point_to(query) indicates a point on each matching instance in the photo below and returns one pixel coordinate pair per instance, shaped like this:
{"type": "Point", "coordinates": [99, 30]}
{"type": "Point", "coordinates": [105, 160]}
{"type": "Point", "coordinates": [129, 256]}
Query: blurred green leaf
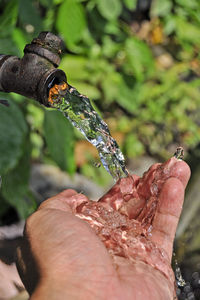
{"type": "Point", "coordinates": [111, 83]}
{"type": "Point", "coordinates": [19, 39]}
{"type": "Point", "coordinates": [49, 20]}
{"type": "Point", "coordinates": [109, 9]}
{"type": "Point", "coordinates": [98, 175]}
{"type": "Point", "coordinates": [8, 46]}
{"type": "Point", "coordinates": [9, 18]}
{"type": "Point", "coordinates": [15, 185]}
{"type": "Point", "coordinates": [133, 146]}
{"type": "Point", "coordinates": [13, 129]}
{"type": "Point", "coordinates": [161, 8]}
{"type": "Point", "coordinates": [71, 21]}
{"type": "Point", "coordinates": [187, 32]}
{"type": "Point", "coordinates": [130, 4]}
{"type": "Point", "coordinates": [29, 14]}
{"type": "Point", "coordinates": [57, 1]}
{"type": "Point", "coordinates": [46, 3]}
{"type": "Point", "coordinates": [127, 98]}
{"type": "Point", "coordinates": [75, 67]}
{"type": "Point", "coordinates": [185, 3]}
{"type": "Point", "coordinates": [109, 47]}
{"type": "Point", "coordinates": [87, 89]}
{"type": "Point", "coordinates": [170, 24]}
{"type": "Point", "coordinates": [59, 136]}
{"type": "Point", "coordinates": [140, 61]}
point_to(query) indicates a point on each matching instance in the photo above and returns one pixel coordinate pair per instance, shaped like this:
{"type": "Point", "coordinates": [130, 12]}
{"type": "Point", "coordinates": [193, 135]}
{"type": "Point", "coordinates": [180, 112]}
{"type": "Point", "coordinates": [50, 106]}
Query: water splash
{"type": "Point", "coordinates": [78, 109]}
{"type": "Point", "coordinates": [179, 278]}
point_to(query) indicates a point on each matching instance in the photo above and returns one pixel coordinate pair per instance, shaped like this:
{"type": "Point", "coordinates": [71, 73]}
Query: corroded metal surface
{"type": "Point", "coordinates": [31, 75]}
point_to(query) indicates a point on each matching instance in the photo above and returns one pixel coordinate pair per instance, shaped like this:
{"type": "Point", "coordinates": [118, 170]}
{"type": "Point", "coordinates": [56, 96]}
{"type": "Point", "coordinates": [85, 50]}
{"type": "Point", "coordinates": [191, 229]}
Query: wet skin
{"type": "Point", "coordinates": [119, 248]}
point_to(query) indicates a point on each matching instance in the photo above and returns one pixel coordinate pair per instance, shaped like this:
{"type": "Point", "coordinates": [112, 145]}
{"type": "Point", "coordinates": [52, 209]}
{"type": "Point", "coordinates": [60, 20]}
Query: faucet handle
{"type": "Point", "coordinates": [47, 45]}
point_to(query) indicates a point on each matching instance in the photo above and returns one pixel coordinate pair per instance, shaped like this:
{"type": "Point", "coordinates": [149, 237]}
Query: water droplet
{"type": "Point", "coordinates": [179, 278]}
{"type": "Point", "coordinates": [154, 189]}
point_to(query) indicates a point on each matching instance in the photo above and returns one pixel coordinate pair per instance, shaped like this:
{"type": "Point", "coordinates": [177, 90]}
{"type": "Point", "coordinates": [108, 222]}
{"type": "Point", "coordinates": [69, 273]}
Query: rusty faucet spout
{"type": "Point", "coordinates": [33, 74]}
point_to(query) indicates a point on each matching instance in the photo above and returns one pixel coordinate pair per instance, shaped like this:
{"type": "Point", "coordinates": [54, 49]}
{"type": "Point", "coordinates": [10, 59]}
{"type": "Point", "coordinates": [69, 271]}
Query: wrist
{"type": "Point", "coordinates": [51, 291]}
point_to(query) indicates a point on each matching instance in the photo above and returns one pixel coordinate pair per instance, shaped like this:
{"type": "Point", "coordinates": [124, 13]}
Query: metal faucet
{"type": "Point", "coordinates": [36, 72]}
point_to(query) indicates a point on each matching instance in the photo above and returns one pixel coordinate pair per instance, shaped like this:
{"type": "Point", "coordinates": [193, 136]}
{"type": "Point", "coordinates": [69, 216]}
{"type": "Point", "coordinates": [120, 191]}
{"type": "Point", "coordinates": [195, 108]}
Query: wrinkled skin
{"type": "Point", "coordinates": [118, 248]}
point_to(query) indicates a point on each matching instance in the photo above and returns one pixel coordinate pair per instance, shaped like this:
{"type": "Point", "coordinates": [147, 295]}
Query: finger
{"type": "Point", "coordinates": [68, 200]}
{"type": "Point", "coordinates": [158, 174]}
{"type": "Point", "coordinates": [181, 170]}
{"type": "Point", "coordinates": [167, 215]}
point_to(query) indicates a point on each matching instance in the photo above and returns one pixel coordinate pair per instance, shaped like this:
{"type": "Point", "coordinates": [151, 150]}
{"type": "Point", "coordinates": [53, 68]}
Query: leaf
{"type": "Point", "coordinates": [170, 24]}
{"type": "Point", "coordinates": [9, 18]}
{"type": "Point", "coordinates": [60, 140]}
{"type": "Point", "coordinates": [8, 46]}
{"type": "Point", "coordinates": [127, 97]}
{"type": "Point", "coordinates": [13, 129]}
{"type": "Point", "coordinates": [47, 3]}
{"type": "Point", "coordinates": [71, 22]}
{"type": "Point", "coordinates": [109, 9]}
{"type": "Point", "coordinates": [133, 146]}
{"type": "Point", "coordinates": [187, 32]}
{"type": "Point", "coordinates": [140, 61]}
{"type": "Point", "coordinates": [89, 90]}
{"type": "Point", "coordinates": [20, 40]}
{"type": "Point", "coordinates": [111, 83]}
{"type": "Point", "coordinates": [161, 7]}
{"type": "Point", "coordinates": [15, 188]}
{"type": "Point", "coordinates": [188, 4]}
{"type": "Point", "coordinates": [57, 1]}
{"type": "Point", "coordinates": [130, 4]}
{"type": "Point", "coordinates": [75, 67]}
{"type": "Point", "coordinates": [29, 14]}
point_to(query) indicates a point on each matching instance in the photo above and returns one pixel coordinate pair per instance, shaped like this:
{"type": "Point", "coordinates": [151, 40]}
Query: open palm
{"type": "Point", "coordinates": [117, 248]}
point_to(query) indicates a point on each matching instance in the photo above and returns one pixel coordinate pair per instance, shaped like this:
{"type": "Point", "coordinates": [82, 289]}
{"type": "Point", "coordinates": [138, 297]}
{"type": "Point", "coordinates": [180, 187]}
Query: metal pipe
{"type": "Point", "coordinates": [35, 73]}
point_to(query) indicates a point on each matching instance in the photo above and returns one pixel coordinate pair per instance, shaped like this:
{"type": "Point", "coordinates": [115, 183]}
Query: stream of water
{"type": "Point", "coordinates": [79, 111]}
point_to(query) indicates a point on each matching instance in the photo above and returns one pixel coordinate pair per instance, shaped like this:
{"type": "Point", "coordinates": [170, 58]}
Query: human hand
{"type": "Point", "coordinates": [117, 248]}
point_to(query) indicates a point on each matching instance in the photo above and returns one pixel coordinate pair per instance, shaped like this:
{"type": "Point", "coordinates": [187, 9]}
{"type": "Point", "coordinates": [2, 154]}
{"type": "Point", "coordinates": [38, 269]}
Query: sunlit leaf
{"type": "Point", "coordinates": [75, 67]}
{"type": "Point", "coordinates": [187, 31]}
{"type": "Point", "coordinates": [188, 4]}
{"type": "Point", "coordinates": [19, 39]}
{"type": "Point", "coordinates": [71, 21]}
{"type": "Point", "coordinates": [161, 7]}
{"type": "Point", "coordinates": [130, 4]}
{"type": "Point", "coordinates": [139, 58]}
{"type": "Point", "coordinates": [109, 9]}
{"type": "Point", "coordinates": [133, 146]}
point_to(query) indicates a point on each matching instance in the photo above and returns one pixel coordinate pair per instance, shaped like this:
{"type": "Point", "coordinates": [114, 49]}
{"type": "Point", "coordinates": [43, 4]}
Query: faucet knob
{"type": "Point", "coordinates": [47, 45]}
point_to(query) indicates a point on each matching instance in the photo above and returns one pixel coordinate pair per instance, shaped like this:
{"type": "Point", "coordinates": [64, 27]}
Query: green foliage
{"type": "Point", "coordinates": [144, 75]}
{"type": "Point", "coordinates": [29, 14]}
{"type": "Point", "coordinates": [130, 4]}
{"type": "Point", "coordinates": [71, 22]}
{"type": "Point", "coordinates": [15, 188]}
{"type": "Point", "coordinates": [110, 9]}
{"type": "Point", "coordinates": [58, 131]}
{"type": "Point", "coordinates": [13, 130]}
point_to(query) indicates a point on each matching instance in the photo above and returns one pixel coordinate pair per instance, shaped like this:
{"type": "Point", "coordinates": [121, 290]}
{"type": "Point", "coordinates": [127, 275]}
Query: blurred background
{"type": "Point", "coordinates": [139, 63]}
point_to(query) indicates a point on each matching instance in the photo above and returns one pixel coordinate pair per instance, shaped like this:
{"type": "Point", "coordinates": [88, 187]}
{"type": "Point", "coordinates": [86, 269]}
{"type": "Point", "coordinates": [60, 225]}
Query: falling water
{"type": "Point", "coordinates": [78, 109]}
{"type": "Point", "coordinates": [179, 278]}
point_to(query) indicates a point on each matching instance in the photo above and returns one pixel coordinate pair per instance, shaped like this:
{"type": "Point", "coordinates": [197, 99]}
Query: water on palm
{"type": "Point", "coordinates": [79, 111]}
